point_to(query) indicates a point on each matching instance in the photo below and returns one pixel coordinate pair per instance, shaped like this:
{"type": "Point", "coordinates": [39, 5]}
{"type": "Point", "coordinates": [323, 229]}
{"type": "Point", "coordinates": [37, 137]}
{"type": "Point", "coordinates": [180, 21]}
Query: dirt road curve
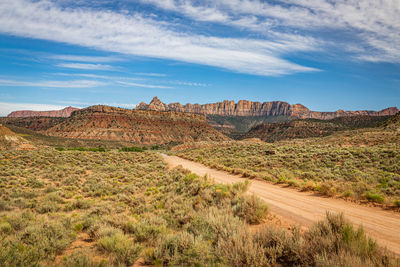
{"type": "Point", "coordinates": [304, 208]}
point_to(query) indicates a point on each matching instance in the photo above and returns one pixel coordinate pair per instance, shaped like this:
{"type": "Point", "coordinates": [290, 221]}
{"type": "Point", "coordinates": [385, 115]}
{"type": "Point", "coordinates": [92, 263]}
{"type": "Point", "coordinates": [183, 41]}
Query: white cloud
{"type": "Point", "coordinates": [151, 74]}
{"type": "Point", "coordinates": [52, 84]}
{"type": "Point", "coordinates": [136, 35]}
{"type": "Point", "coordinates": [82, 66]}
{"type": "Point", "coordinates": [194, 84]}
{"type": "Point", "coordinates": [85, 58]}
{"type": "Point", "coordinates": [145, 85]}
{"type": "Point", "coordinates": [7, 108]}
{"type": "Point", "coordinates": [374, 24]}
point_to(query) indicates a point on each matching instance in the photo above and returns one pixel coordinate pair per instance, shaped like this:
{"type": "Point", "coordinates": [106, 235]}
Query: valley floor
{"type": "Point", "coordinates": [305, 208]}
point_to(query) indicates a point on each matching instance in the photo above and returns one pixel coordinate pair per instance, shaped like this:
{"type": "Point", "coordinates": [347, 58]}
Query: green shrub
{"type": "Point", "coordinates": [374, 197]}
{"type": "Point", "coordinates": [132, 149]}
{"type": "Point", "coordinates": [47, 206]}
{"type": "Point", "coordinates": [148, 229]}
{"type": "Point", "coordinates": [122, 249]}
{"type": "Point", "coordinates": [18, 254]}
{"type": "Point", "coordinates": [81, 259]}
{"type": "Point", "coordinates": [183, 249]}
{"type": "Point", "coordinates": [348, 193]}
{"type": "Point", "coordinates": [239, 249]}
{"type": "Point", "coordinates": [5, 228]}
{"type": "Point", "coordinates": [251, 209]}
{"type": "Point", "coordinates": [48, 237]}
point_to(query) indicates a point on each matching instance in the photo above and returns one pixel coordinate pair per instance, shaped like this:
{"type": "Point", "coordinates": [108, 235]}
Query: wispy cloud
{"type": "Point", "coordinates": [83, 66]}
{"type": "Point", "coordinates": [138, 35]}
{"type": "Point", "coordinates": [53, 84]}
{"type": "Point", "coordinates": [194, 84]}
{"type": "Point", "coordinates": [142, 85]}
{"type": "Point", "coordinates": [151, 74]}
{"type": "Point", "coordinates": [93, 59]}
{"type": "Point", "coordinates": [374, 25]}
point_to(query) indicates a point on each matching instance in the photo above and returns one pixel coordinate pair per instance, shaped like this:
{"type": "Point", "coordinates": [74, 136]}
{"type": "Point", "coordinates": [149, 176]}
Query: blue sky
{"type": "Point", "coordinates": [325, 54]}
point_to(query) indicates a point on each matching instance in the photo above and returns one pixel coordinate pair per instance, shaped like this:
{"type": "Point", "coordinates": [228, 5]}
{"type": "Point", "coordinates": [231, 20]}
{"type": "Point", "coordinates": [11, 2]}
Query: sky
{"type": "Point", "coordinates": [324, 54]}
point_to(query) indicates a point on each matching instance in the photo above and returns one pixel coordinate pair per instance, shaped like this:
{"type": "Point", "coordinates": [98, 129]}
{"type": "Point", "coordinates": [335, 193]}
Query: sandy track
{"type": "Point", "coordinates": [305, 208]}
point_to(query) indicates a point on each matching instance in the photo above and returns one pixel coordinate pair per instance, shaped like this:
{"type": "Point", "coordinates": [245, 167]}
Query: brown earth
{"type": "Point", "coordinates": [304, 208]}
{"type": "Point", "coordinates": [32, 123]}
{"type": "Point", "coordinates": [65, 112]}
{"type": "Point", "coordinates": [249, 108]}
{"type": "Point", "coordinates": [137, 126]}
{"type": "Point", "coordinates": [10, 141]}
{"type": "Point", "coordinates": [306, 128]}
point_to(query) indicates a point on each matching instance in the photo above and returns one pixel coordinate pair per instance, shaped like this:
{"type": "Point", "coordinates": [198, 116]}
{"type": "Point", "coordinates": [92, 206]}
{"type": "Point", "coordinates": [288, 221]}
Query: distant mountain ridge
{"type": "Point", "coordinates": [306, 128]}
{"type": "Point", "coordinates": [249, 108]}
{"type": "Point", "coordinates": [65, 112]}
{"type": "Point", "coordinates": [137, 126]}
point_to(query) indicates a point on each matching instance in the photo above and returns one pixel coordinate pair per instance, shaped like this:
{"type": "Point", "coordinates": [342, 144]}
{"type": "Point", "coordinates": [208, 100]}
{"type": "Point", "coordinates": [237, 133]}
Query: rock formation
{"type": "Point", "coordinates": [305, 128]}
{"type": "Point", "coordinates": [136, 126]}
{"type": "Point", "coordinates": [66, 112]}
{"type": "Point", "coordinates": [10, 141]}
{"type": "Point", "coordinates": [249, 108]}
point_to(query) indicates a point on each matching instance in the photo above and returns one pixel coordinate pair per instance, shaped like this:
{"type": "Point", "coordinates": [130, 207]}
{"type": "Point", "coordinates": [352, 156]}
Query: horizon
{"type": "Point", "coordinates": [3, 111]}
{"type": "Point", "coordinates": [60, 53]}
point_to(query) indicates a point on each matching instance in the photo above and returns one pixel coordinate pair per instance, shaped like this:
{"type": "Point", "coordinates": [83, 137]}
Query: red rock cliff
{"type": "Point", "coordinates": [249, 108]}
{"type": "Point", "coordinates": [66, 112]}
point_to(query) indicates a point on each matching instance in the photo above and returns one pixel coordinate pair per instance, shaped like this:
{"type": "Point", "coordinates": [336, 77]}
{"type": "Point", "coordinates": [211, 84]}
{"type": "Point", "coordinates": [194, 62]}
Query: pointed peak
{"type": "Point", "coordinates": [155, 99]}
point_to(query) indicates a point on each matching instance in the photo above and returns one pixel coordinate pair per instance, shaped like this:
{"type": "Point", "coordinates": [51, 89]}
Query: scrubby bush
{"type": "Point", "coordinates": [374, 197]}
{"type": "Point", "coordinates": [132, 149]}
{"type": "Point", "coordinates": [183, 249]}
{"type": "Point", "coordinates": [122, 249]}
{"type": "Point", "coordinates": [81, 259]}
{"type": "Point", "coordinates": [251, 209]}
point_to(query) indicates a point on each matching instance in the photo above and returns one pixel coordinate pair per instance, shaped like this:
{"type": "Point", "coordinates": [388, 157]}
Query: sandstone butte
{"type": "Point", "coordinates": [66, 112]}
{"type": "Point", "coordinates": [249, 108]}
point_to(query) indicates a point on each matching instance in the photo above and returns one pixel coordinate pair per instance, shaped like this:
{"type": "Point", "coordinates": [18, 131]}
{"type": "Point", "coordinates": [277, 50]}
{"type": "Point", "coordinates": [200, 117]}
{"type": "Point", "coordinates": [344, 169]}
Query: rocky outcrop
{"type": "Point", "coordinates": [136, 126]}
{"type": "Point", "coordinates": [10, 141]}
{"type": "Point", "coordinates": [66, 112]}
{"type": "Point", "coordinates": [249, 108]}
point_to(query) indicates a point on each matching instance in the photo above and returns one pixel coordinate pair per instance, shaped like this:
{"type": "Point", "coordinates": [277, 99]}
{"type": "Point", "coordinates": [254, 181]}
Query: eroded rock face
{"type": "Point", "coordinates": [249, 108]}
{"type": "Point", "coordinates": [304, 114]}
{"type": "Point", "coordinates": [10, 141]}
{"type": "Point", "coordinates": [137, 126]}
{"type": "Point", "coordinates": [66, 112]}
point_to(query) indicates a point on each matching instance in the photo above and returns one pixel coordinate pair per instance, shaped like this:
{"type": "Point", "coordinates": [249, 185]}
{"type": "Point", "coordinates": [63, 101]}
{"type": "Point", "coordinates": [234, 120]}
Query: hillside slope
{"type": "Point", "coordinates": [32, 123]}
{"type": "Point", "coordinates": [137, 126]}
{"type": "Point", "coordinates": [311, 127]}
{"type": "Point", "coordinates": [10, 141]}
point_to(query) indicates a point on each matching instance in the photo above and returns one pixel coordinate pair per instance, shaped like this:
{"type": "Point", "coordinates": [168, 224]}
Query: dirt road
{"type": "Point", "coordinates": [305, 208]}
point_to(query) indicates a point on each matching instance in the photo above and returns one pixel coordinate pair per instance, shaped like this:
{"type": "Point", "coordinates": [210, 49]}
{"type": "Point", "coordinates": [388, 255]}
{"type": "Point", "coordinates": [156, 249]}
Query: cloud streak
{"type": "Point", "coordinates": [142, 85]}
{"type": "Point", "coordinates": [92, 59]}
{"type": "Point", "coordinates": [375, 25]}
{"type": "Point", "coordinates": [82, 66]}
{"type": "Point", "coordinates": [53, 84]}
{"type": "Point", "coordinates": [137, 35]}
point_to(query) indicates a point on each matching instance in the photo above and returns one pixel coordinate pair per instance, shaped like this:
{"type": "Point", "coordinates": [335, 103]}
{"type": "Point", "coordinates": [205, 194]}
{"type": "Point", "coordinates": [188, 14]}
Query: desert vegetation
{"type": "Point", "coordinates": [370, 173]}
{"type": "Point", "coordinates": [90, 208]}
